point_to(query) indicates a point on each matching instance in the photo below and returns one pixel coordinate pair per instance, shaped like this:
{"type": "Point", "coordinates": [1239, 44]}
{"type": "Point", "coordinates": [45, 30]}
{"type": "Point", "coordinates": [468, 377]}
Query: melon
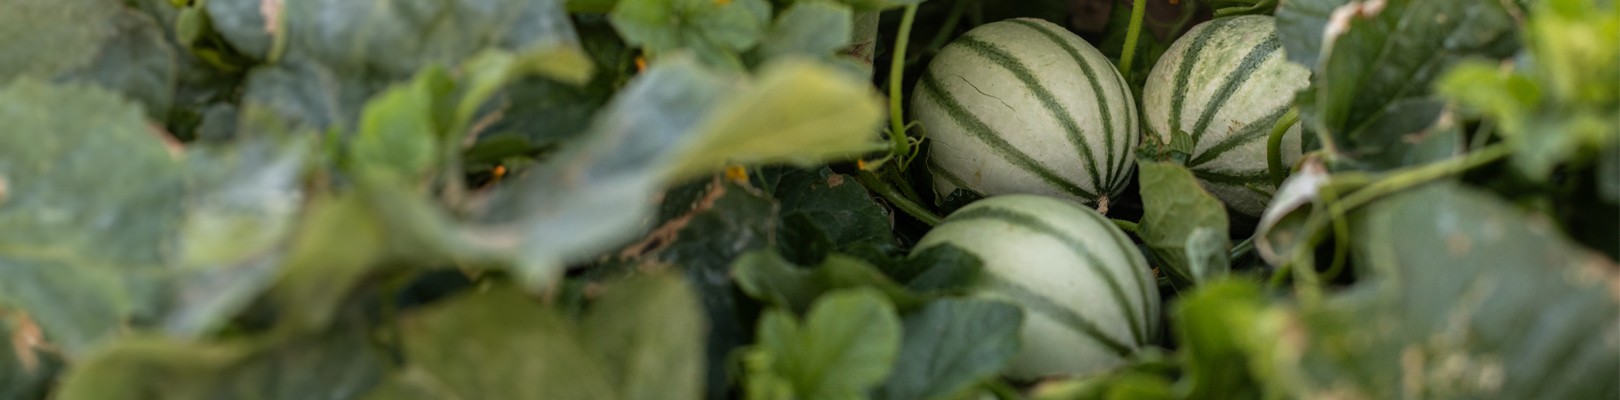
{"type": "Point", "coordinates": [1088, 297]}
{"type": "Point", "coordinates": [1025, 106]}
{"type": "Point", "coordinates": [1225, 84]}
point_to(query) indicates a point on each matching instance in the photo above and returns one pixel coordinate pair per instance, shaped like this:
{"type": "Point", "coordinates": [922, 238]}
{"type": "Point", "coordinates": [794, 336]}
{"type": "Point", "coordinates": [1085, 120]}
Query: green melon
{"type": "Point", "coordinates": [1088, 296]}
{"type": "Point", "coordinates": [1225, 84]}
{"type": "Point", "coordinates": [1025, 106]}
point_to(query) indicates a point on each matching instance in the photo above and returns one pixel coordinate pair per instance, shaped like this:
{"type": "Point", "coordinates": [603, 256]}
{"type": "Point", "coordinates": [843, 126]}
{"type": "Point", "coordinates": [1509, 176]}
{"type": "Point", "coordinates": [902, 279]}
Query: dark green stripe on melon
{"type": "Point", "coordinates": [1184, 70]}
{"type": "Point", "coordinates": [1250, 64]}
{"type": "Point", "coordinates": [1114, 171]}
{"type": "Point", "coordinates": [1049, 101]}
{"type": "Point", "coordinates": [988, 136]}
{"type": "Point", "coordinates": [1039, 304]}
{"type": "Point", "coordinates": [1135, 318]}
{"type": "Point", "coordinates": [1256, 130]}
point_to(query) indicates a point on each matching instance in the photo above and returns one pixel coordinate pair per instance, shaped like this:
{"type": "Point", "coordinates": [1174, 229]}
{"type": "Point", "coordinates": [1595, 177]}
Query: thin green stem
{"type": "Point", "coordinates": [876, 185]}
{"type": "Point", "coordinates": [1274, 161]}
{"type": "Point", "coordinates": [1132, 33]}
{"type": "Point", "coordinates": [900, 148]}
{"type": "Point", "coordinates": [1303, 258]}
{"type": "Point", "coordinates": [1483, 134]}
{"type": "Point", "coordinates": [1241, 248]}
{"type": "Point", "coordinates": [1127, 226]}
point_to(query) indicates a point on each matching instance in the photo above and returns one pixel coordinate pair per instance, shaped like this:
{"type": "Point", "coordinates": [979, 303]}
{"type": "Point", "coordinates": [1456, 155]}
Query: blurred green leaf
{"type": "Point", "coordinates": [1552, 108]}
{"type": "Point", "coordinates": [92, 198]}
{"type": "Point", "coordinates": [47, 37]}
{"type": "Point", "coordinates": [716, 31]}
{"type": "Point", "coordinates": [811, 28]}
{"type": "Point", "coordinates": [649, 333]}
{"type": "Point", "coordinates": [766, 276]}
{"type": "Point", "coordinates": [243, 201]}
{"type": "Point", "coordinates": [1375, 61]}
{"type": "Point", "coordinates": [498, 343]}
{"type": "Point", "coordinates": [398, 131]}
{"type": "Point", "coordinates": [845, 347]}
{"type": "Point", "coordinates": [338, 242]}
{"type": "Point", "coordinates": [1175, 209]}
{"type": "Point", "coordinates": [1218, 329]}
{"type": "Point", "coordinates": [640, 340]}
{"type": "Point", "coordinates": [813, 114]}
{"type": "Point", "coordinates": [951, 345]}
{"type": "Point", "coordinates": [342, 364]}
{"type": "Point", "coordinates": [1471, 298]}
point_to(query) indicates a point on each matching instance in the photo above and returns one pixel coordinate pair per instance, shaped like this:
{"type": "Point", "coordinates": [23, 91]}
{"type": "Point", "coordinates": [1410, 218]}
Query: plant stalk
{"type": "Point", "coordinates": [887, 192]}
{"type": "Point", "coordinates": [1133, 32]}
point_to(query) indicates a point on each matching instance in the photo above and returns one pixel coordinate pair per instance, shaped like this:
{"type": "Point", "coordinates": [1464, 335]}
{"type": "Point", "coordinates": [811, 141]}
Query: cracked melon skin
{"type": "Point", "coordinates": [1088, 297]}
{"type": "Point", "coordinates": [1025, 106]}
{"type": "Point", "coordinates": [1226, 83]}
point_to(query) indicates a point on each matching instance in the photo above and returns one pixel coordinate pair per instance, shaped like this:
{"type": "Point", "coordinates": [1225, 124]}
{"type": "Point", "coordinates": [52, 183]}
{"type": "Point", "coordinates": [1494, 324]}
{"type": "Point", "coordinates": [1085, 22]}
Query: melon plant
{"type": "Point", "coordinates": [1224, 85]}
{"type": "Point", "coordinates": [1089, 300]}
{"type": "Point", "coordinates": [1025, 106]}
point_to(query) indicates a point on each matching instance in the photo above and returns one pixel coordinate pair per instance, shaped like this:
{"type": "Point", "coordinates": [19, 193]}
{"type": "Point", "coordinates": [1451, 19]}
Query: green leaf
{"type": "Point", "coordinates": [813, 114]}
{"type": "Point", "coordinates": [396, 38]}
{"type": "Point", "coordinates": [498, 343]}
{"type": "Point", "coordinates": [47, 37]}
{"type": "Point", "coordinates": [766, 276]}
{"type": "Point", "coordinates": [716, 31]}
{"type": "Point", "coordinates": [134, 60]}
{"type": "Point", "coordinates": [338, 242]}
{"type": "Point", "coordinates": [845, 347]}
{"type": "Point", "coordinates": [91, 198]}
{"type": "Point", "coordinates": [1175, 209]}
{"type": "Point", "coordinates": [951, 345]}
{"type": "Point", "coordinates": [1458, 275]}
{"type": "Point", "coordinates": [942, 268]}
{"type": "Point", "coordinates": [299, 95]}
{"type": "Point", "coordinates": [1217, 328]}
{"type": "Point", "coordinates": [828, 205]}
{"type": "Point", "coordinates": [649, 332]}
{"type": "Point", "coordinates": [1367, 45]}
{"type": "Point", "coordinates": [398, 132]}
{"type": "Point", "coordinates": [342, 364]}
{"type": "Point", "coordinates": [706, 226]}
{"type": "Point", "coordinates": [815, 28]}
{"type": "Point", "coordinates": [243, 201]}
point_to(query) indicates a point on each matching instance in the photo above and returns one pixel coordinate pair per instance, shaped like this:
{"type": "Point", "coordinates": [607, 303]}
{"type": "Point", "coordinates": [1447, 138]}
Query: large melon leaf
{"type": "Point", "coordinates": [1472, 299]}
{"type": "Point", "coordinates": [1375, 62]}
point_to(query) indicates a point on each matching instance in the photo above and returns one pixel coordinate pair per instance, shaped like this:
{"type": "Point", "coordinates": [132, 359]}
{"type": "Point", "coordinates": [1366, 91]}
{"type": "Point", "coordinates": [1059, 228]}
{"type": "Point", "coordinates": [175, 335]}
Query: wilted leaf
{"type": "Point", "coordinates": [1175, 207]}
{"type": "Point", "coordinates": [951, 345]}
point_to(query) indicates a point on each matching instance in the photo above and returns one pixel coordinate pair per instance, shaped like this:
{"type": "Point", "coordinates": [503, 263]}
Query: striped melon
{"type": "Point", "coordinates": [1225, 84]}
{"type": "Point", "coordinates": [1025, 106]}
{"type": "Point", "coordinates": [1088, 298]}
